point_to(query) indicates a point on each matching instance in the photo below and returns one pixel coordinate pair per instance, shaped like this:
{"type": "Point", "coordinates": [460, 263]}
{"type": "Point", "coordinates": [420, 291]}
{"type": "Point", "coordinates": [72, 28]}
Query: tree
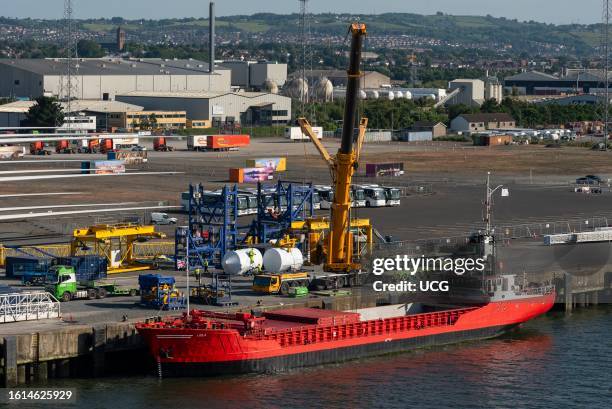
{"type": "Point", "coordinates": [491, 106]}
{"type": "Point", "coordinates": [89, 49]}
{"type": "Point", "coordinates": [45, 113]}
{"type": "Point", "coordinates": [152, 121]}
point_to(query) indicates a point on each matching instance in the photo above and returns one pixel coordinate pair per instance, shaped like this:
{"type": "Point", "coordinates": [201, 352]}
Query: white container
{"type": "Point", "coordinates": [240, 261]}
{"type": "Point", "coordinates": [277, 260]}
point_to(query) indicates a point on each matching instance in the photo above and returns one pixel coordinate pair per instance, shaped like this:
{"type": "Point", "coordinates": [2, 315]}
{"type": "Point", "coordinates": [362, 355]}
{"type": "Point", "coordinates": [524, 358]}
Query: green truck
{"type": "Point", "coordinates": [65, 287]}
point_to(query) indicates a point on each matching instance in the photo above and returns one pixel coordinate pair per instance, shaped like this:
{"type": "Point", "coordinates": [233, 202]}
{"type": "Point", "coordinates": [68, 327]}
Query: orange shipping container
{"type": "Point", "coordinates": [227, 141]}
{"type": "Point", "coordinates": [236, 175]}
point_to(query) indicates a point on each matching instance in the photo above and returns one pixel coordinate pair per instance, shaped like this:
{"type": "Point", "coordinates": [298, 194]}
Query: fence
{"type": "Point", "coordinates": [28, 306]}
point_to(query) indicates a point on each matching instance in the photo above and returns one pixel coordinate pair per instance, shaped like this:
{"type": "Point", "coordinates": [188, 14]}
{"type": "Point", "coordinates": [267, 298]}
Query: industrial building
{"type": "Point", "coordinates": [471, 123]}
{"type": "Point", "coordinates": [474, 92]}
{"type": "Point", "coordinates": [437, 129]}
{"type": "Point", "coordinates": [257, 108]}
{"type": "Point", "coordinates": [252, 75]}
{"type": "Point", "coordinates": [103, 78]}
{"type": "Point", "coordinates": [539, 83]}
{"type": "Point", "coordinates": [339, 78]}
{"type": "Point", "coordinates": [106, 113]}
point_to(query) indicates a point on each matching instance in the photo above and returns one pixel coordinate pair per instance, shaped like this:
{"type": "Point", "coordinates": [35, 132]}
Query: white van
{"type": "Point", "coordinates": [162, 218]}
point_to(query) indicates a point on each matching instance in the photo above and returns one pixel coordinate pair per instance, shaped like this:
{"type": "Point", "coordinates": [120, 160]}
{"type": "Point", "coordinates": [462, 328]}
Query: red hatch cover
{"type": "Point", "coordinates": [313, 316]}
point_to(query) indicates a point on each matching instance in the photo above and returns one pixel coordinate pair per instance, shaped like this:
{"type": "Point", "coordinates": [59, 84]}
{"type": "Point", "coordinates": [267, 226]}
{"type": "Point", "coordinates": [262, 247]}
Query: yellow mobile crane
{"type": "Point", "coordinates": [338, 245]}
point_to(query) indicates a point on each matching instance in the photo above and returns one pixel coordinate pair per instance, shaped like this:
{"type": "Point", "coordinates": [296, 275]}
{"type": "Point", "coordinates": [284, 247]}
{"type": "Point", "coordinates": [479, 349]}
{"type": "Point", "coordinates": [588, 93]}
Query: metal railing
{"type": "Point", "coordinates": [28, 306]}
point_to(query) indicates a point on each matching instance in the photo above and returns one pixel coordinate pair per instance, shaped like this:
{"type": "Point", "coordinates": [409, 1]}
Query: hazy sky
{"type": "Point", "coordinates": [552, 11]}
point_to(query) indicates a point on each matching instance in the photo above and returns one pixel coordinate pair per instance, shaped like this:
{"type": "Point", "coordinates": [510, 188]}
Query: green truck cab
{"type": "Point", "coordinates": [64, 286]}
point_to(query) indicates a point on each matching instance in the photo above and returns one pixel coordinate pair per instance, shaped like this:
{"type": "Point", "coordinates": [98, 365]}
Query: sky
{"type": "Point", "coordinates": [549, 11]}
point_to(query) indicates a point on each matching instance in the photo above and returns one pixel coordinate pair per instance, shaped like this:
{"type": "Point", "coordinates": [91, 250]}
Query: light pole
{"type": "Point", "coordinates": [489, 203]}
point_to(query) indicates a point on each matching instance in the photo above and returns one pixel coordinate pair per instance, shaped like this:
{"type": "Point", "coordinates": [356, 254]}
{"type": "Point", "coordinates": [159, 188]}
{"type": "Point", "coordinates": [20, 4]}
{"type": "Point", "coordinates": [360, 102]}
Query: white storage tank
{"type": "Point", "coordinates": [239, 262]}
{"type": "Point", "coordinates": [277, 260]}
{"type": "Point", "coordinates": [399, 94]}
{"type": "Point", "coordinates": [407, 94]}
{"type": "Point", "coordinates": [362, 94]}
{"type": "Point", "coordinates": [372, 94]}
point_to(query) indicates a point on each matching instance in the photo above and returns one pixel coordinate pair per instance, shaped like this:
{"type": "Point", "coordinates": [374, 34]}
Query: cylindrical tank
{"type": "Point", "coordinates": [399, 94]}
{"type": "Point", "coordinates": [324, 89]}
{"type": "Point", "coordinates": [390, 96]}
{"type": "Point", "coordinates": [407, 94]}
{"type": "Point", "coordinates": [372, 94]}
{"type": "Point", "coordinates": [277, 260]}
{"type": "Point", "coordinates": [297, 88]}
{"type": "Point", "coordinates": [240, 261]}
{"type": "Point", "coordinates": [270, 86]}
{"type": "Point", "coordinates": [362, 94]}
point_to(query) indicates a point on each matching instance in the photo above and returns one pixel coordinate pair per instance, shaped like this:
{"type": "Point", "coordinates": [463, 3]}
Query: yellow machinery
{"type": "Point", "coordinates": [316, 230]}
{"type": "Point", "coordinates": [279, 283]}
{"type": "Point", "coordinates": [116, 243]}
{"type": "Point", "coordinates": [338, 245]}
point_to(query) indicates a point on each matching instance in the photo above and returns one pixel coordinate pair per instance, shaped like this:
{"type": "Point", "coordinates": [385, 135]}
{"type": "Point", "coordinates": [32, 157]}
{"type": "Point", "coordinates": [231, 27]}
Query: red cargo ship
{"type": "Point", "coordinates": [208, 343]}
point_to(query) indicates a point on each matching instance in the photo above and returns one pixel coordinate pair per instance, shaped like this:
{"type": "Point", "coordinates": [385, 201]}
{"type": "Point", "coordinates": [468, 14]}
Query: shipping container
{"type": "Point", "coordinates": [223, 142]}
{"type": "Point", "coordinates": [103, 166]}
{"type": "Point", "coordinates": [18, 266]}
{"type": "Point", "coordinates": [250, 175]}
{"type": "Point", "coordinates": [12, 152]}
{"type": "Point", "coordinates": [217, 142]}
{"type": "Point", "coordinates": [415, 136]}
{"type": "Point", "coordinates": [295, 133]}
{"type": "Point", "coordinates": [129, 157]}
{"type": "Point", "coordinates": [86, 268]}
{"type": "Point", "coordinates": [278, 164]}
{"type": "Point", "coordinates": [384, 169]}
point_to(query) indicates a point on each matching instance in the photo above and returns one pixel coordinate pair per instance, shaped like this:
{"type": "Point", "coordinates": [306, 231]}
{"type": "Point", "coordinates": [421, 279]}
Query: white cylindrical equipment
{"type": "Point", "coordinates": [278, 260]}
{"type": "Point", "coordinates": [238, 262]}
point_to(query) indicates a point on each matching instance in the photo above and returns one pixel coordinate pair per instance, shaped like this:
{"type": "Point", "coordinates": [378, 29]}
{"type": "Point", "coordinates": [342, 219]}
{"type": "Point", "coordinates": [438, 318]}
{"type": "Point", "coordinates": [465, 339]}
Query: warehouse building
{"type": "Point", "coordinates": [103, 78]}
{"type": "Point", "coordinates": [470, 123]}
{"type": "Point", "coordinates": [257, 108]}
{"type": "Point", "coordinates": [539, 83]}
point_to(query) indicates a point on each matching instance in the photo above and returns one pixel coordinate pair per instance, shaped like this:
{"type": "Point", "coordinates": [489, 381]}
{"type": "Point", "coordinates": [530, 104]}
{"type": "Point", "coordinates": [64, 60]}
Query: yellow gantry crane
{"type": "Point", "coordinates": [116, 243]}
{"type": "Point", "coordinates": [339, 243]}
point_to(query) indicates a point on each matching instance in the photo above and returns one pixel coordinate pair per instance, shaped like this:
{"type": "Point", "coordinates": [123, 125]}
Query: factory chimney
{"type": "Point", "coordinates": [211, 49]}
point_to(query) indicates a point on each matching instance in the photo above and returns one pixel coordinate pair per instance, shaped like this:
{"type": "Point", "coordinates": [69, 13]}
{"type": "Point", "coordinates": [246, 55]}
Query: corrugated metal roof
{"type": "Point", "coordinates": [194, 95]}
{"type": "Point", "coordinates": [532, 76]}
{"type": "Point", "coordinates": [112, 66]}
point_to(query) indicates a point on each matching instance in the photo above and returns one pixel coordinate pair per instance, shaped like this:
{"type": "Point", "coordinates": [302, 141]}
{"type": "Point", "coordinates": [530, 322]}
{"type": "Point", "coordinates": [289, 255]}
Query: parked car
{"type": "Point", "coordinates": [138, 148]}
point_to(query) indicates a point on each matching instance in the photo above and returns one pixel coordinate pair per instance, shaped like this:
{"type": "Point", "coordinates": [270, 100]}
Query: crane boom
{"type": "Point", "coordinates": [339, 245]}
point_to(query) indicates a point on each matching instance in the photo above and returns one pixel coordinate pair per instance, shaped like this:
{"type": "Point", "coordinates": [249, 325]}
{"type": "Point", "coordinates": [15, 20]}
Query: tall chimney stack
{"type": "Point", "coordinates": [211, 26]}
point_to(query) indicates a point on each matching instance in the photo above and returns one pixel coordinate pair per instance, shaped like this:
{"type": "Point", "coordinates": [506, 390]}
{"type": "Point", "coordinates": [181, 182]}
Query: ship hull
{"type": "Point", "coordinates": [327, 356]}
{"type": "Point", "coordinates": [217, 351]}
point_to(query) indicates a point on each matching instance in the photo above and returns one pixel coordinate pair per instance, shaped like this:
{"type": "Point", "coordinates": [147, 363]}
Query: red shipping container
{"type": "Point", "coordinates": [227, 141]}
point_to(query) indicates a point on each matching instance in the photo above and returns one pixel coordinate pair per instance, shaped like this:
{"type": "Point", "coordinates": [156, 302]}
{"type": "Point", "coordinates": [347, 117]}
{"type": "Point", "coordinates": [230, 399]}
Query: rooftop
{"type": "Point", "coordinates": [112, 66]}
{"type": "Point", "coordinates": [488, 117]}
{"type": "Point", "coordinates": [191, 94]}
{"type": "Point", "coordinates": [76, 106]}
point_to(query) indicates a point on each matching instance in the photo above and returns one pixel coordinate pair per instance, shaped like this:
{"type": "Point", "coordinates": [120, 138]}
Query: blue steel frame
{"type": "Point", "coordinates": [216, 217]}
{"type": "Point", "coordinates": [295, 196]}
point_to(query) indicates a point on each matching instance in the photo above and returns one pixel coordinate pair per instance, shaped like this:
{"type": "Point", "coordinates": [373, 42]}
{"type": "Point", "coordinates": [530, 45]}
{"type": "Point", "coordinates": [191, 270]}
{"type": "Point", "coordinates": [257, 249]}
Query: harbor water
{"type": "Point", "coordinates": [555, 361]}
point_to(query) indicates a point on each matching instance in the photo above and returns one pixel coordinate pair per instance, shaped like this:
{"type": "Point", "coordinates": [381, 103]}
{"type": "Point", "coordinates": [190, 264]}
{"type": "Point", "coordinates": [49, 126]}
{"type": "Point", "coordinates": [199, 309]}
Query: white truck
{"type": "Point", "coordinates": [295, 133]}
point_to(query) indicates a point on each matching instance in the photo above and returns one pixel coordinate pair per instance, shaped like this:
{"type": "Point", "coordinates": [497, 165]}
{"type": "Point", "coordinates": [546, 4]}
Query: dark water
{"type": "Point", "coordinates": [556, 361]}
